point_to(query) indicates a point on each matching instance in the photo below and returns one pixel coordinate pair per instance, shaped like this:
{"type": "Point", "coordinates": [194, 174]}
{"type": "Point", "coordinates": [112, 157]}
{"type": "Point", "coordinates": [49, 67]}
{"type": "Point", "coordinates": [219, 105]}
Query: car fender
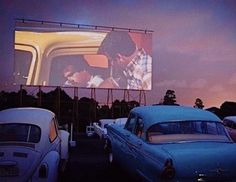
{"type": "Point", "coordinates": [64, 144]}
{"type": "Point", "coordinates": [51, 163]}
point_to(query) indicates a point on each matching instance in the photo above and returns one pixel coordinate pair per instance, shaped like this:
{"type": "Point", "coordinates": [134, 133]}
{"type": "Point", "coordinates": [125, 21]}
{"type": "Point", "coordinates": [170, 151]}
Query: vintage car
{"type": "Point", "coordinates": [100, 127]}
{"type": "Point", "coordinates": [173, 143]}
{"type": "Point", "coordinates": [230, 124]}
{"type": "Point", "coordinates": [32, 148]}
{"type": "Point", "coordinates": [90, 130]}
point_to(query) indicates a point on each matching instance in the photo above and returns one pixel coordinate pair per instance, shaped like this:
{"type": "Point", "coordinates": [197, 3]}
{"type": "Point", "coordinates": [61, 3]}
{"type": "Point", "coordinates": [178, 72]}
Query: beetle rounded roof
{"type": "Point", "coordinates": [37, 116]}
{"type": "Point", "coordinates": [165, 113]}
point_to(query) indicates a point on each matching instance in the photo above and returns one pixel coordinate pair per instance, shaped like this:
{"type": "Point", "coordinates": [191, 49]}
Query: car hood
{"type": "Point", "coordinates": [21, 161]}
{"type": "Point", "coordinates": [209, 158]}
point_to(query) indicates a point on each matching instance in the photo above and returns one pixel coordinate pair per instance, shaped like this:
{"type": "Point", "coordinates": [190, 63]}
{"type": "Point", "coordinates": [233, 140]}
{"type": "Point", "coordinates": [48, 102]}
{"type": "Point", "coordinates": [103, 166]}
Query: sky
{"type": "Point", "coordinates": [194, 41]}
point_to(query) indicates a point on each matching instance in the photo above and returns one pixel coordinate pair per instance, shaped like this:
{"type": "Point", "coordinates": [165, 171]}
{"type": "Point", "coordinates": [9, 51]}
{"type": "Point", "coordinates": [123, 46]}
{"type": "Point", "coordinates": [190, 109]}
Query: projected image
{"type": "Point", "coordinates": [115, 59]}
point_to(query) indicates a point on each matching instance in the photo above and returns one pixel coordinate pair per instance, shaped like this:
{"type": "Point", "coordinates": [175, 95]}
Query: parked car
{"type": "Point", "coordinates": [230, 124]}
{"type": "Point", "coordinates": [100, 127]}
{"type": "Point", "coordinates": [120, 121]}
{"type": "Point", "coordinates": [90, 130]}
{"type": "Point", "coordinates": [173, 143]}
{"type": "Point", "coordinates": [32, 148]}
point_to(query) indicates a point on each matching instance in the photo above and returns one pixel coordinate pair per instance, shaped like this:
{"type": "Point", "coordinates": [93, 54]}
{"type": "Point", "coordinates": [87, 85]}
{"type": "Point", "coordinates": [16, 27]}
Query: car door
{"type": "Point", "coordinates": [134, 143]}
{"type": "Point", "coordinates": [137, 145]}
{"type": "Point", "coordinates": [128, 142]}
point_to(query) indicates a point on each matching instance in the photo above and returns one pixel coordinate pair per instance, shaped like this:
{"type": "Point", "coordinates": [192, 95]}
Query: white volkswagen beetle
{"type": "Point", "coordinates": [32, 148]}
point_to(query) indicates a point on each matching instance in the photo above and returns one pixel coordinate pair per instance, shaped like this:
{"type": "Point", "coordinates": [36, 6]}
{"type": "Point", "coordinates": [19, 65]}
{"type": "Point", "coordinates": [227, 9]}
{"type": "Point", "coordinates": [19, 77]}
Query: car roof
{"type": "Point", "coordinates": [231, 118]}
{"type": "Point", "coordinates": [37, 116]}
{"type": "Point", "coordinates": [166, 113]}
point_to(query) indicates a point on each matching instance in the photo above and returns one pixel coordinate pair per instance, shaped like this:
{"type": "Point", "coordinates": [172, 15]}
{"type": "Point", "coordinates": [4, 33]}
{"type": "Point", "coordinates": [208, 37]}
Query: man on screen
{"type": "Point", "coordinates": [84, 78]}
{"type": "Point", "coordinates": [137, 69]}
{"type": "Point", "coordinates": [130, 65]}
{"type": "Point", "coordinates": [80, 78]}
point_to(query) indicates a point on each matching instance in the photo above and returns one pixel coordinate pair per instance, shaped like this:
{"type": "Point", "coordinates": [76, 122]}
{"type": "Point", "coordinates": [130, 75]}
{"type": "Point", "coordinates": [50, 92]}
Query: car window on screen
{"type": "Point", "coordinates": [67, 71]}
{"type": "Point", "coordinates": [22, 66]}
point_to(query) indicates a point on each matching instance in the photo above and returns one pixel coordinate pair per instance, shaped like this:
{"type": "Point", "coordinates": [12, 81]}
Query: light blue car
{"type": "Point", "coordinates": [174, 144]}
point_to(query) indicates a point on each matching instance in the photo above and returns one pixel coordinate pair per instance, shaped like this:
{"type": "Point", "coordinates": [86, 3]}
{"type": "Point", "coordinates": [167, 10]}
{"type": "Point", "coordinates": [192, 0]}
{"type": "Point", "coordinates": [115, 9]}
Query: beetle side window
{"type": "Point", "coordinates": [53, 131]}
{"type": "Point", "coordinates": [130, 125]}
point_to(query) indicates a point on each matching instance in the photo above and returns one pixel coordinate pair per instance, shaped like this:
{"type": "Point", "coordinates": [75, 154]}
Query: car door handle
{"type": "Point", "coordinates": [127, 135]}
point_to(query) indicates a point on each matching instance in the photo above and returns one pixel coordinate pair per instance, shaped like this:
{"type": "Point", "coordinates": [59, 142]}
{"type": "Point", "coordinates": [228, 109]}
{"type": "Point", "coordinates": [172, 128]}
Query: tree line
{"type": "Point", "coordinates": [83, 111]}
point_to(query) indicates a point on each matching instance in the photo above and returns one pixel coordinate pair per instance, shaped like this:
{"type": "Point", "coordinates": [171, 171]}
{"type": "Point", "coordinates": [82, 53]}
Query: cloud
{"type": "Point", "coordinates": [232, 80]}
{"type": "Point", "coordinates": [173, 83]}
{"type": "Point", "coordinates": [200, 83]}
{"type": "Point", "coordinates": [196, 34]}
{"type": "Point", "coordinates": [217, 88]}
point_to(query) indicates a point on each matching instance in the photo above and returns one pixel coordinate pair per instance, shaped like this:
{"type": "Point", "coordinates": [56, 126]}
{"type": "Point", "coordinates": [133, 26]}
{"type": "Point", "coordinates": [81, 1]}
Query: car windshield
{"type": "Point", "coordinates": [19, 133]}
{"type": "Point", "coordinates": [187, 131]}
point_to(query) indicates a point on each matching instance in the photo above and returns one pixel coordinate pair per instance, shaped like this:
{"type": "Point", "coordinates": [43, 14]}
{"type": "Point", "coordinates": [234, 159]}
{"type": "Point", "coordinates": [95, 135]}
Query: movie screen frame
{"type": "Point", "coordinates": [50, 55]}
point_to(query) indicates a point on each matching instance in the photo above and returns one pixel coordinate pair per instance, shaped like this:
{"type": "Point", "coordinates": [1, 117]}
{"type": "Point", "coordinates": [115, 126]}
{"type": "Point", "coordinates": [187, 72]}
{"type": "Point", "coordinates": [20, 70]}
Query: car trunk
{"type": "Point", "coordinates": [208, 159]}
{"type": "Point", "coordinates": [18, 162]}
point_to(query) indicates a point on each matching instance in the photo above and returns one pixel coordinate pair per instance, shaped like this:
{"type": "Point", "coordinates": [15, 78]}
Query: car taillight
{"type": "Point", "coordinates": [168, 172]}
{"type": "Point", "coordinates": [43, 171]}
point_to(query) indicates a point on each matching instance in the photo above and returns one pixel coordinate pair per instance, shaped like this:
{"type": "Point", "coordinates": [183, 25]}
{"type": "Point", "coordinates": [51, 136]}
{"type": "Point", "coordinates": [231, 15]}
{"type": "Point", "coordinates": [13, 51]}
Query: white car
{"type": "Point", "coordinates": [90, 130]}
{"type": "Point", "coordinates": [230, 124]}
{"type": "Point", "coordinates": [100, 128]}
{"type": "Point", "coordinates": [120, 121]}
{"type": "Point", "coordinates": [32, 148]}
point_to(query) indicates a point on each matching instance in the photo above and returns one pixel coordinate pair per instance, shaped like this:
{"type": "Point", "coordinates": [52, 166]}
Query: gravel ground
{"type": "Point", "coordinates": [89, 163]}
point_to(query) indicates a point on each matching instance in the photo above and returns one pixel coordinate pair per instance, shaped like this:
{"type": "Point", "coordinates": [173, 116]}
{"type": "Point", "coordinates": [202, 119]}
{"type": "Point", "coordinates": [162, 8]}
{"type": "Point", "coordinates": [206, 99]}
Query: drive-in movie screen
{"type": "Point", "coordinates": [54, 56]}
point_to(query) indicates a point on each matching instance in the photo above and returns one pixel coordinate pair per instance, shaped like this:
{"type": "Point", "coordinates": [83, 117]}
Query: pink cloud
{"type": "Point", "coordinates": [190, 33]}
{"type": "Point", "coordinates": [173, 83]}
{"type": "Point", "coordinates": [200, 83]}
{"type": "Point", "coordinates": [218, 88]}
{"type": "Point", "coordinates": [232, 80]}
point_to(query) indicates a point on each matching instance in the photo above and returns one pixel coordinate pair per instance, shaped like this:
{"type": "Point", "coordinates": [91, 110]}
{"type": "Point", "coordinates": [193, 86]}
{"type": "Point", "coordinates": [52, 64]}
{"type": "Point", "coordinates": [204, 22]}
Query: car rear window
{"type": "Point", "coordinates": [19, 133]}
{"type": "Point", "coordinates": [187, 131]}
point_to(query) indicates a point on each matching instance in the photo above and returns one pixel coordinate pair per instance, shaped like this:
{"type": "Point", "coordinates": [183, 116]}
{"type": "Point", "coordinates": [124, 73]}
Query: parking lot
{"type": "Point", "coordinates": [89, 163]}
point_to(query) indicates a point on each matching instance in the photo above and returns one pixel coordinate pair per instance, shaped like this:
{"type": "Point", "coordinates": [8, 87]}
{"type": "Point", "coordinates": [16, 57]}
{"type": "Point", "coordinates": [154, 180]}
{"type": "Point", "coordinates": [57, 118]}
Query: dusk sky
{"type": "Point", "coordinates": [194, 41]}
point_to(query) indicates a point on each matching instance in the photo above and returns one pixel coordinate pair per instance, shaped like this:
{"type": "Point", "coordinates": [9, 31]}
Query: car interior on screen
{"type": "Point", "coordinates": [82, 58]}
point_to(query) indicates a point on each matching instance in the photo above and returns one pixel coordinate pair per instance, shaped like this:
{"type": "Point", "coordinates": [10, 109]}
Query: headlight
{"type": "Point", "coordinates": [43, 171]}
{"type": "Point", "coordinates": [168, 172]}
